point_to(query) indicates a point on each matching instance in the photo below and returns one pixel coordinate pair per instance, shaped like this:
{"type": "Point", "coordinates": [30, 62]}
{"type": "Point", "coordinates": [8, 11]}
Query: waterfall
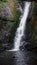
{"type": "Point", "coordinates": [21, 28]}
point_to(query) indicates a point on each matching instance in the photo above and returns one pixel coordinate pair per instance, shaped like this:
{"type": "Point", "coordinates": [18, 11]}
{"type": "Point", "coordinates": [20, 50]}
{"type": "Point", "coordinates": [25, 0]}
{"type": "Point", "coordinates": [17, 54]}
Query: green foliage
{"type": "Point", "coordinates": [10, 24]}
{"type": "Point", "coordinates": [2, 4]}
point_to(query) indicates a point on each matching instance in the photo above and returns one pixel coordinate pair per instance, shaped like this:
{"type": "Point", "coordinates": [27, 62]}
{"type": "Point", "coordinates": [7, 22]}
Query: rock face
{"type": "Point", "coordinates": [5, 12]}
{"type": "Point", "coordinates": [5, 15]}
{"type": "Point", "coordinates": [7, 23]}
{"type": "Point", "coordinates": [31, 29]}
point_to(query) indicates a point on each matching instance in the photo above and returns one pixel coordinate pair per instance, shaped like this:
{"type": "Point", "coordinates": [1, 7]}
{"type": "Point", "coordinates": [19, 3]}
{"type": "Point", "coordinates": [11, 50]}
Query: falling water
{"type": "Point", "coordinates": [21, 28]}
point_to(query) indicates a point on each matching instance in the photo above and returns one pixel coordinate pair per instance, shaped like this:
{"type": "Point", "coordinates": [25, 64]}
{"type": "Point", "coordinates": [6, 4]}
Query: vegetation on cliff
{"type": "Point", "coordinates": [9, 20]}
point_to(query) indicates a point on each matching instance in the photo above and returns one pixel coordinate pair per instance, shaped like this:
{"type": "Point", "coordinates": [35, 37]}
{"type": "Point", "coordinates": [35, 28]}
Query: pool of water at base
{"type": "Point", "coordinates": [21, 57]}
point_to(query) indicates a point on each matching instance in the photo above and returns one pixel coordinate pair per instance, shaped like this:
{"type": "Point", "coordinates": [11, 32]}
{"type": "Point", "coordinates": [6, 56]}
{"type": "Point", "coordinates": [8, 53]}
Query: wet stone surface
{"type": "Point", "coordinates": [18, 58]}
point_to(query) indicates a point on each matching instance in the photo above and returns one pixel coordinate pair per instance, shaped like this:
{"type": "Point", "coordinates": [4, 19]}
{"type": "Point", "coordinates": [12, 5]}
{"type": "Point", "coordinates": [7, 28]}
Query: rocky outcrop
{"type": "Point", "coordinates": [5, 12]}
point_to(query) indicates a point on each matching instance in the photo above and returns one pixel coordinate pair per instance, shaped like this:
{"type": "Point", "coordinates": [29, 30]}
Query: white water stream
{"type": "Point", "coordinates": [21, 28]}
